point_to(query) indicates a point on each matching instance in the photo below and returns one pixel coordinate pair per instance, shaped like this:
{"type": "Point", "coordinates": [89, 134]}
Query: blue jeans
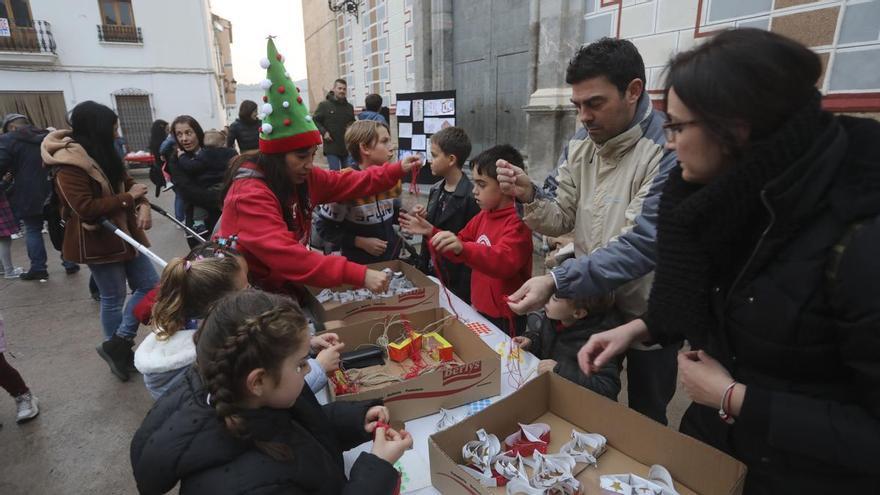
{"type": "Point", "coordinates": [36, 247]}
{"type": "Point", "coordinates": [336, 162]}
{"type": "Point", "coordinates": [111, 278]}
{"type": "Point", "coordinates": [179, 207]}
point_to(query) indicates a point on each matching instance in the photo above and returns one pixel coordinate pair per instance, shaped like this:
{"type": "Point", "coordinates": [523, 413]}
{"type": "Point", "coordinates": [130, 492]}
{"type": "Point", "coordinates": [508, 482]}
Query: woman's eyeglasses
{"type": "Point", "coordinates": [671, 129]}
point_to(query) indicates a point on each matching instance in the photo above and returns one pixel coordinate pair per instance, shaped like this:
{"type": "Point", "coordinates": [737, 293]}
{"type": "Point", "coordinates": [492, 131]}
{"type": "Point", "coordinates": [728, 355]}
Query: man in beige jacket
{"type": "Point", "coordinates": [606, 190]}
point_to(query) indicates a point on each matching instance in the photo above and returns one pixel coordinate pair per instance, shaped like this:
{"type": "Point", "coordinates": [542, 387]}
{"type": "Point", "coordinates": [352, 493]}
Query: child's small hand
{"type": "Point", "coordinates": [411, 162]}
{"type": "Point", "coordinates": [323, 341]}
{"type": "Point", "coordinates": [420, 210]}
{"type": "Point", "coordinates": [522, 342]}
{"type": "Point", "coordinates": [376, 281]}
{"type": "Point", "coordinates": [390, 445]}
{"type": "Point", "coordinates": [372, 245]}
{"type": "Point", "coordinates": [329, 358]}
{"type": "Point", "coordinates": [374, 415]}
{"type": "Point", "coordinates": [446, 241]}
{"type": "Point", "coordinates": [546, 365]}
{"type": "Point", "coordinates": [415, 224]}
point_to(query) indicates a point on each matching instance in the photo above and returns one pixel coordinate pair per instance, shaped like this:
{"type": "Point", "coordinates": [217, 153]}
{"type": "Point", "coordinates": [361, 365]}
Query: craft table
{"type": "Point", "coordinates": [414, 464]}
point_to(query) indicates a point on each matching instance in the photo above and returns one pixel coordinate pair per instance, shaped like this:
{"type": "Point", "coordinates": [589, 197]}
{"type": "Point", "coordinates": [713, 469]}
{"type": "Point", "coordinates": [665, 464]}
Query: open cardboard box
{"type": "Point", "coordinates": [635, 442]}
{"type": "Point", "coordinates": [479, 377]}
{"type": "Point", "coordinates": [425, 296]}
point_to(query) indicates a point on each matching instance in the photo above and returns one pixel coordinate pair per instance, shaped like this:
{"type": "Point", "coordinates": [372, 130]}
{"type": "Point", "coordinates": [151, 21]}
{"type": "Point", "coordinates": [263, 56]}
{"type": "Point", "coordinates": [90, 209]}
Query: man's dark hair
{"type": "Point", "coordinates": [455, 142]}
{"type": "Point", "coordinates": [618, 60]}
{"type": "Point", "coordinates": [484, 163]}
{"type": "Point", "coordinates": [373, 102]}
{"type": "Point", "coordinates": [340, 81]}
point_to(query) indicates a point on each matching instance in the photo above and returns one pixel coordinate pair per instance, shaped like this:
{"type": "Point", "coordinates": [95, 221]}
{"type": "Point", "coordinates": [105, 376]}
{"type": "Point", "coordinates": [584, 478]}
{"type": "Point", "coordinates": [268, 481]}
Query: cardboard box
{"type": "Point", "coordinates": [478, 377]}
{"type": "Point", "coordinates": [425, 296]}
{"type": "Point", "coordinates": [634, 441]}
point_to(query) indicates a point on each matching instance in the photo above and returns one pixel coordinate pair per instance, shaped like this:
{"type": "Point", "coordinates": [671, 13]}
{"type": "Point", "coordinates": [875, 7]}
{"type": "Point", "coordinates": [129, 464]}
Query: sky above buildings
{"type": "Point", "coordinates": [254, 20]}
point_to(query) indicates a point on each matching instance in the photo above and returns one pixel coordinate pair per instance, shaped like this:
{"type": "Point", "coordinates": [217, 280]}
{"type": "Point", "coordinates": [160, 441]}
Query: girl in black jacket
{"type": "Point", "coordinates": [767, 263]}
{"type": "Point", "coordinates": [242, 421]}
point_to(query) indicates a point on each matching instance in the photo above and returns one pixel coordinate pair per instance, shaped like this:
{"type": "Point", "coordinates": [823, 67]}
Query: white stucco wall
{"type": "Point", "coordinates": [175, 64]}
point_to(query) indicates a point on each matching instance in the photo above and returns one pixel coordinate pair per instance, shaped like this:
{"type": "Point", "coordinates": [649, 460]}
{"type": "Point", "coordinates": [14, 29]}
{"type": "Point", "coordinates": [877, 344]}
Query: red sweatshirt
{"type": "Point", "coordinates": [276, 256]}
{"type": "Point", "coordinates": [497, 246]}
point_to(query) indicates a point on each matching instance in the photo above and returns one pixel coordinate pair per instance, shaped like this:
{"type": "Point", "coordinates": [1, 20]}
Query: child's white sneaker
{"type": "Point", "coordinates": [28, 407]}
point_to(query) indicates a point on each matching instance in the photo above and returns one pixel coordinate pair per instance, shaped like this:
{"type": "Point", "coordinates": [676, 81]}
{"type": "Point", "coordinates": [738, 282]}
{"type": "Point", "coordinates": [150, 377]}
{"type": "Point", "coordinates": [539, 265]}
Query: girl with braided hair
{"type": "Point", "coordinates": [242, 420]}
{"type": "Point", "coordinates": [189, 287]}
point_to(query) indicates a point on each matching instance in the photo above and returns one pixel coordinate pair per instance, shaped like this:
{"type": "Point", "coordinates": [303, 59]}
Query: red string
{"type": "Point", "coordinates": [414, 182]}
{"type": "Point", "coordinates": [435, 259]}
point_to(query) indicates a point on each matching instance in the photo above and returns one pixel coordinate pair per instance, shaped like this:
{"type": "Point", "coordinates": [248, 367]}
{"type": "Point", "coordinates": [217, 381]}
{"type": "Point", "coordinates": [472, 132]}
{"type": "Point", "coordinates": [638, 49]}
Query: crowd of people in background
{"type": "Point", "coordinates": [728, 242]}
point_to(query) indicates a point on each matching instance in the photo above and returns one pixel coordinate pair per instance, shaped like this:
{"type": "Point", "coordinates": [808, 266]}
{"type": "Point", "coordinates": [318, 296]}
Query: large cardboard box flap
{"type": "Point", "coordinates": [635, 442]}
{"type": "Point", "coordinates": [425, 296]}
{"type": "Point", "coordinates": [478, 377]}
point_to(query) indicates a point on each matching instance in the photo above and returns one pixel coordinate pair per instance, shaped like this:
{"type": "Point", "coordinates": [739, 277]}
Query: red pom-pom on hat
{"type": "Point", "coordinates": [281, 89]}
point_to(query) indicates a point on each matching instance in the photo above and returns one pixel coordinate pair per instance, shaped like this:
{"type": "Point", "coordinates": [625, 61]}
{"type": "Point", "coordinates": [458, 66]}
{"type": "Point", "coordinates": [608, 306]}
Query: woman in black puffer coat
{"type": "Point", "coordinates": [767, 263]}
{"type": "Point", "coordinates": [246, 128]}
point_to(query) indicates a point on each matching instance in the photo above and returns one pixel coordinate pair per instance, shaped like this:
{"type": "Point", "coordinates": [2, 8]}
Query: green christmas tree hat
{"type": "Point", "coordinates": [287, 125]}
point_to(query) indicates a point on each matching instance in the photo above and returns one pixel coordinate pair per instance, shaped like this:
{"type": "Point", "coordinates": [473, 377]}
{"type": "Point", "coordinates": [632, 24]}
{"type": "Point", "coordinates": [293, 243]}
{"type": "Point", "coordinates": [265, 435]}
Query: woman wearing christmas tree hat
{"type": "Point", "coordinates": [269, 195]}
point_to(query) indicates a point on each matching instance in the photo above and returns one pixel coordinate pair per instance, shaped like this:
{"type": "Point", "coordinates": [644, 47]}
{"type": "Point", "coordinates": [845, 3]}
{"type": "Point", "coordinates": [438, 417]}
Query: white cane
{"type": "Point", "coordinates": [137, 245]}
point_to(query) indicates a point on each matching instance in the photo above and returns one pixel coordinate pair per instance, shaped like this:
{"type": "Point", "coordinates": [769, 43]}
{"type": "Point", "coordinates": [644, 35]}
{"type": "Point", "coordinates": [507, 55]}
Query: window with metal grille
{"type": "Point", "coordinates": [135, 118]}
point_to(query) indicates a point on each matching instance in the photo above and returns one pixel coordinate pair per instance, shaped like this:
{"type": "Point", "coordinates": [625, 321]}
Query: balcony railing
{"type": "Point", "coordinates": [37, 39]}
{"type": "Point", "coordinates": [119, 34]}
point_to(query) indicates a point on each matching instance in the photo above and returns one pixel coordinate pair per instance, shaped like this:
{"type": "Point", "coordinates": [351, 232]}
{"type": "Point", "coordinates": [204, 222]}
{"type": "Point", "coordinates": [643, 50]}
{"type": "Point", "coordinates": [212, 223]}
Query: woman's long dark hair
{"type": "Point", "coordinates": [196, 127]}
{"type": "Point", "coordinates": [246, 112]}
{"type": "Point", "coordinates": [744, 76]}
{"type": "Point", "coordinates": [158, 133]}
{"type": "Point", "coordinates": [274, 168]}
{"type": "Point", "coordinates": [92, 125]}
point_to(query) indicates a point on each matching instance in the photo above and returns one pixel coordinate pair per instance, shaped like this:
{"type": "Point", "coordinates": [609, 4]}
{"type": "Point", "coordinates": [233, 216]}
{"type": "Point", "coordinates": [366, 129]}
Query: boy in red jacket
{"type": "Point", "coordinates": [495, 244]}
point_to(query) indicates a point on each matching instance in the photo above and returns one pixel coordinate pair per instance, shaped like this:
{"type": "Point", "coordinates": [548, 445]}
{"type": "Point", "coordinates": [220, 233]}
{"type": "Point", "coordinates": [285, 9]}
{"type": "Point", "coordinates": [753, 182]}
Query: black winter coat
{"type": "Point", "coordinates": [799, 325]}
{"type": "Point", "coordinates": [334, 116]}
{"type": "Point", "coordinates": [20, 154]}
{"type": "Point", "coordinates": [207, 167]}
{"type": "Point", "coordinates": [552, 341]}
{"type": "Point", "coordinates": [247, 135]}
{"type": "Point", "coordinates": [181, 440]}
{"type": "Point", "coordinates": [461, 209]}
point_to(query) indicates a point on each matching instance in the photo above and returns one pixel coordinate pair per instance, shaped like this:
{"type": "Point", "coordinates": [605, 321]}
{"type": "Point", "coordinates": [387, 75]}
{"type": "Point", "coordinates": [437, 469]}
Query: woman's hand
{"type": "Point", "coordinates": [533, 294]}
{"type": "Point", "coordinates": [138, 191]}
{"type": "Point", "coordinates": [604, 346]}
{"type": "Point", "coordinates": [144, 218]}
{"type": "Point", "coordinates": [705, 380]}
{"type": "Point", "coordinates": [376, 281]}
{"type": "Point", "coordinates": [415, 224]}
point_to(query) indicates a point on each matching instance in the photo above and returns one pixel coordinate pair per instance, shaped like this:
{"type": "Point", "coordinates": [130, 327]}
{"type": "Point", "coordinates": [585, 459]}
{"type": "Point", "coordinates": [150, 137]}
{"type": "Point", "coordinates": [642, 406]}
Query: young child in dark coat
{"type": "Point", "coordinates": [242, 421]}
{"type": "Point", "coordinates": [451, 205]}
{"type": "Point", "coordinates": [207, 168]}
{"type": "Point", "coordinates": [556, 334]}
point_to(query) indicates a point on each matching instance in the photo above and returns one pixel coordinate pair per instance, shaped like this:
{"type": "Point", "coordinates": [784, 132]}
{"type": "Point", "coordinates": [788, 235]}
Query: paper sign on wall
{"type": "Point", "coordinates": [404, 130]}
{"type": "Point", "coordinates": [403, 108]}
{"type": "Point", "coordinates": [418, 111]}
{"type": "Point", "coordinates": [419, 142]}
{"type": "Point", "coordinates": [434, 108]}
{"type": "Point", "coordinates": [434, 125]}
{"type": "Point", "coordinates": [4, 28]}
